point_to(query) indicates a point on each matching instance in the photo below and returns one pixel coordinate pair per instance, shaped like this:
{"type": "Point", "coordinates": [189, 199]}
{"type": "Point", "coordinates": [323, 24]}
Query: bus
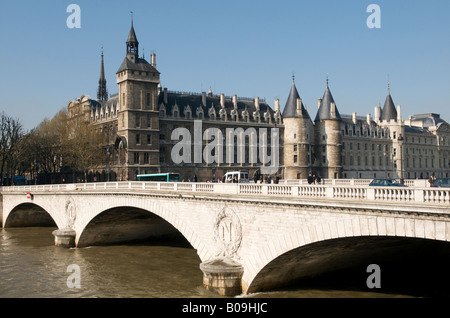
{"type": "Point", "coordinates": [165, 177]}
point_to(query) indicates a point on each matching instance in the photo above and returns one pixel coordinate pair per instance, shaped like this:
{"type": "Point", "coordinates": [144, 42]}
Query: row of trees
{"type": "Point", "coordinates": [57, 148]}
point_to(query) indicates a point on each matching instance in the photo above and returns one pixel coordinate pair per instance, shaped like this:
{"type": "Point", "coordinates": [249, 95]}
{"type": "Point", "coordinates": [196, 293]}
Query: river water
{"type": "Point", "coordinates": [32, 267]}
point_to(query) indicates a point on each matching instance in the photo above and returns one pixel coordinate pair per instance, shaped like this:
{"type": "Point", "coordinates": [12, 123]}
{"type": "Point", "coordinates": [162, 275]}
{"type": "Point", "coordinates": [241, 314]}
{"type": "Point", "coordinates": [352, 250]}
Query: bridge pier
{"type": "Point", "coordinates": [64, 237]}
{"type": "Point", "coordinates": [222, 276]}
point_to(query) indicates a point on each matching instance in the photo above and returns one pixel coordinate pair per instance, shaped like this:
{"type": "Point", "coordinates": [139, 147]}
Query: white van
{"type": "Point", "coordinates": [240, 176]}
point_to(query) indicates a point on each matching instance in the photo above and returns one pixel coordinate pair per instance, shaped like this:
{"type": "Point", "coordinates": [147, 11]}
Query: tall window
{"type": "Point", "coordinates": [138, 139]}
{"type": "Point", "coordinates": [136, 157]}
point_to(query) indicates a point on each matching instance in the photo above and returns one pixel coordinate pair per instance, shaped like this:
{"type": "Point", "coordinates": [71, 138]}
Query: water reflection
{"type": "Point", "coordinates": [31, 266]}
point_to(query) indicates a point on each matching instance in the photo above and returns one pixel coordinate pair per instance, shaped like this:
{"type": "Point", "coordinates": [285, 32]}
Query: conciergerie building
{"type": "Point", "coordinates": [152, 129]}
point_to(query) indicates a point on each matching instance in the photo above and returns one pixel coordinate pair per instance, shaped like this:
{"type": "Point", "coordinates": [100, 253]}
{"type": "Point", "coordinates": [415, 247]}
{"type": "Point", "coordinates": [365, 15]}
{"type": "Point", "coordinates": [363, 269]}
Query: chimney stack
{"type": "Point", "coordinates": [153, 60]}
{"type": "Point", "coordinates": [222, 100]}
{"type": "Point", "coordinates": [165, 96]}
{"type": "Point", "coordinates": [277, 105]}
{"type": "Point", "coordinates": [299, 107]}
{"type": "Point", "coordinates": [354, 117]}
{"type": "Point", "coordinates": [377, 114]}
{"type": "Point", "coordinates": [204, 99]}
{"type": "Point", "coordinates": [333, 110]}
{"type": "Point", "coordinates": [234, 98]}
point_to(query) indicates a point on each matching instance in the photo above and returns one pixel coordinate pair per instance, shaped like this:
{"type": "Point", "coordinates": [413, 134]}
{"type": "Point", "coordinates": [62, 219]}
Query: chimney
{"type": "Point", "coordinates": [165, 96]}
{"type": "Point", "coordinates": [153, 60]}
{"type": "Point", "coordinates": [204, 99]}
{"type": "Point", "coordinates": [299, 107]}
{"type": "Point", "coordinates": [333, 110]}
{"type": "Point", "coordinates": [277, 105]}
{"type": "Point", "coordinates": [319, 101]}
{"type": "Point", "coordinates": [368, 119]}
{"type": "Point", "coordinates": [354, 117]}
{"type": "Point", "coordinates": [257, 103]}
{"type": "Point", "coordinates": [399, 114]}
{"type": "Point", "coordinates": [377, 114]}
{"type": "Point", "coordinates": [222, 100]}
{"type": "Point", "coordinates": [234, 98]}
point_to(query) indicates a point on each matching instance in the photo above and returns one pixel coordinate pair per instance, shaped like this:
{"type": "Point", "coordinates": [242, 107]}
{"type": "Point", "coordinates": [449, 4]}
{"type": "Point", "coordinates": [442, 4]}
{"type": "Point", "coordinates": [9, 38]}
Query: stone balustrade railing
{"type": "Point", "coordinates": [339, 192]}
{"type": "Point", "coordinates": [421, 183]}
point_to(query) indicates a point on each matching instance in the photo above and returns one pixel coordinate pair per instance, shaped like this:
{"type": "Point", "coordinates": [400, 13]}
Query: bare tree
{"type": "Point", "coordinates": [84, 146]}
{"type": "Point", "coordinates": [11, 131]}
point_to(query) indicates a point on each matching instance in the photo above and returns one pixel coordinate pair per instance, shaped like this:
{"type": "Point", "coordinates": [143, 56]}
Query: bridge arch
{"type": "Point", "coordinates": [29, 215]}
{"type": "Point", "coordinates": [281, 258]}
{"type": "Point", "coordinates": [147, 217]}
{"type": "Point", "coordinates": [126, 224]}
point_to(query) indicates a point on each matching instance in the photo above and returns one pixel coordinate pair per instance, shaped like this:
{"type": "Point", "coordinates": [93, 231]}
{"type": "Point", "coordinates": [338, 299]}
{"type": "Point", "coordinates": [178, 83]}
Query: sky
{"type": "Point", "coordinates": [244, 47]}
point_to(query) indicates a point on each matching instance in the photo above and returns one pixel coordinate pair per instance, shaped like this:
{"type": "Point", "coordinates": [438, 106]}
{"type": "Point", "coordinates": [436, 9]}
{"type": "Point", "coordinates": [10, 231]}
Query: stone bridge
{"type": "Point", "coordinates": [249, 237]}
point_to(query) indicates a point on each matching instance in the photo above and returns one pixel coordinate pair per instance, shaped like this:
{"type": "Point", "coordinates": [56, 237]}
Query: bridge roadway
{"type": "Point", "coordinates": [249, 237]}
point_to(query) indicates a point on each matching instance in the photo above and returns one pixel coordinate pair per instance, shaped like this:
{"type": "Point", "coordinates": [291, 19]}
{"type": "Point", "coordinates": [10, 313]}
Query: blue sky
{"type": "Point", "coordinates": [243, 47]}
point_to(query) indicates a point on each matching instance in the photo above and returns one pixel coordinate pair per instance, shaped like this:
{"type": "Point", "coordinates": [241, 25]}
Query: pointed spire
{"type": "Point", "coordinates": [290, 109]}
{"type": "Point", "coordinates": [389, 111]}
{"type": "Point", "coordinates": [132, 42]}
{"type": "Point", "coordinates": [327, 107]}
{"type": "Point", "coordinates": [102, 93]}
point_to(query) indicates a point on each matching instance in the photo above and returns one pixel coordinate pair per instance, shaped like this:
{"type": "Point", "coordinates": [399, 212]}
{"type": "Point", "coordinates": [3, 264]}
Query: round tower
{"type": "Point", "coordinates": [328, 138]}
{"type": "Point", "coordinates": [298, 129]}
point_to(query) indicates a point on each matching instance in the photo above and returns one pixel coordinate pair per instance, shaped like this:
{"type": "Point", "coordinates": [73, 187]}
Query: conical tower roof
{"type": "Point", "coordinates": [389, 112]}
{"type": "Point", "coordinates": [132, 35]}
{"type": "Point", "coordinates": [290, 109]}
{"type": "Point", "coordinates": [324, 111]}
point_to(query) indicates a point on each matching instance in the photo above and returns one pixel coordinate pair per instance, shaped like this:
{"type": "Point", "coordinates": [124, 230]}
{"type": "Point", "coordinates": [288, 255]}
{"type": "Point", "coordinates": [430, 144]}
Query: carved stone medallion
{"type": "Point", "coordinates": [227, 232]}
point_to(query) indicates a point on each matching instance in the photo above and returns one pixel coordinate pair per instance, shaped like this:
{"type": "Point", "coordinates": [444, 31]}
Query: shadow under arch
{"type": "Point", "coordinates": [410, 266]}
{"type": "Point", "coordinates": [29, 215]}
{"type": "Point", "coordinates": [128, 225]}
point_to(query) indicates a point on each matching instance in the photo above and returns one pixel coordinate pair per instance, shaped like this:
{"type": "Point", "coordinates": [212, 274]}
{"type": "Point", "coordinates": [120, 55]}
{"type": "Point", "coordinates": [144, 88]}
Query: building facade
{"type": "Point", "coordinates": [151, 129]}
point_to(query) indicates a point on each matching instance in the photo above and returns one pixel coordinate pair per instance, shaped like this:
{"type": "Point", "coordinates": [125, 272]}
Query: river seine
{"type": "Point", "coordinates": [32, 267]}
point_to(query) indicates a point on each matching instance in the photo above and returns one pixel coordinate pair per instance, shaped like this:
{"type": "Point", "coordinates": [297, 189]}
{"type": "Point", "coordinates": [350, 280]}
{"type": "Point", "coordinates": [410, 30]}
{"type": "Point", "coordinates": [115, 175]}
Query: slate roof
{"type": "Point", "coordinates": [389, 112]}
{"type": "Point", "coordinates": [140, 65]}
{"type": "Point", "coordinates": [324, 111]}
{"type": "Point", "coordinates": [290, 109]}
{"type": "Point", "coordinates": [195, 101]}
{"type": "Point", "coordinates": [132, 36]}
{"type": "Point", "coordinates": [429, 120]}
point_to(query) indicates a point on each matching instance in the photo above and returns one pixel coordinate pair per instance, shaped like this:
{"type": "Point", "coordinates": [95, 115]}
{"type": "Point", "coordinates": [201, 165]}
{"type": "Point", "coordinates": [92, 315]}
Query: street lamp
{"type": "Point", "coordinates": [401, 140]}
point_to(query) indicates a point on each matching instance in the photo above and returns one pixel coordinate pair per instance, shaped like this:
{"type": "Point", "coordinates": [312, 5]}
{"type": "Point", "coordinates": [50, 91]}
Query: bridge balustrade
{"type": "Point", "coordinates": [341, 192]}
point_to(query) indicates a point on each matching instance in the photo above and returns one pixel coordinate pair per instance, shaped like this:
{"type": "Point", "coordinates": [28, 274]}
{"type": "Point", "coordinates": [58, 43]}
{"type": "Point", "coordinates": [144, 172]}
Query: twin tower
{"type": "Point", "coordinates": [312, 147]}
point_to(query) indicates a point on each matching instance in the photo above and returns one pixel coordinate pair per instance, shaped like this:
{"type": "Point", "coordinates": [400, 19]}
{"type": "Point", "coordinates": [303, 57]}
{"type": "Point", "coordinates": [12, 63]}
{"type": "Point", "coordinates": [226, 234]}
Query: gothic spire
{"type": "Point", "coordinates": [132, 43]}
{"type": "Point", "coordinates": [102, 93]}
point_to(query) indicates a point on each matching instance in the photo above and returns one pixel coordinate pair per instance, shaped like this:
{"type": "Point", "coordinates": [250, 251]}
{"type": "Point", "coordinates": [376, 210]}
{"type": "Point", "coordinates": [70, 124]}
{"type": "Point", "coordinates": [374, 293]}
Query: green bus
{"type": "Point", "coordinates": [165, 177]}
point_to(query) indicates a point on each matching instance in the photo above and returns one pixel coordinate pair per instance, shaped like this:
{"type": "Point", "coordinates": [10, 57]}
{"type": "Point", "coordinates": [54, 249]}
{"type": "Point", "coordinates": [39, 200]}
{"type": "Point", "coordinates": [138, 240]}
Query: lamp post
{"type": "Point", "coordinates": [400, 142]}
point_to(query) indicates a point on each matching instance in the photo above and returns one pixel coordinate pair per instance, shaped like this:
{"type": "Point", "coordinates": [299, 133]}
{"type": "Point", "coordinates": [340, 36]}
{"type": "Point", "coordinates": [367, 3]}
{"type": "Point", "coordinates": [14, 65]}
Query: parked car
{"type": "Point", "coordinates": [386, 183]}
{"type": "Point", "coordinates": [441, 182]}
